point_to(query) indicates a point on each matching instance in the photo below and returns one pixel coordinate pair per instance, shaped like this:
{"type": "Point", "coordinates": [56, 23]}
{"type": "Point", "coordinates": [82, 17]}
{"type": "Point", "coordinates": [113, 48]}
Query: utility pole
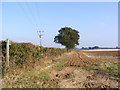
{"type": "Point", "coordinates": [7, 51]}
{"type": "Point", "coordinates": [40, 36]}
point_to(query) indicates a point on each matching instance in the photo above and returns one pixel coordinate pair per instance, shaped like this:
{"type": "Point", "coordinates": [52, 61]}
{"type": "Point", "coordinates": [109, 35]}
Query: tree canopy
{"type": "Point", "coordinates": [67, 37]}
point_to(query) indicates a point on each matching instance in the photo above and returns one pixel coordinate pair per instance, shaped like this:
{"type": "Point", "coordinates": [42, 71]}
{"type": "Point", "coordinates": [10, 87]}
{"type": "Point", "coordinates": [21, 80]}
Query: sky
{"type": "Point", "coordinates": [97, 22]}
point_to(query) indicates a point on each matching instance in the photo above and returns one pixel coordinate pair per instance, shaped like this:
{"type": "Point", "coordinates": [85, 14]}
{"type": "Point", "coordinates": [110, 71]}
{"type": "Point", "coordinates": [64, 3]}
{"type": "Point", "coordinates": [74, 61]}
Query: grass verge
{"type": "Point", "coordinates": [41, 80]}
{"type": "Point", "coordinates": [60, 65]}
{"type": "Point", "coordinates": [111, 69]}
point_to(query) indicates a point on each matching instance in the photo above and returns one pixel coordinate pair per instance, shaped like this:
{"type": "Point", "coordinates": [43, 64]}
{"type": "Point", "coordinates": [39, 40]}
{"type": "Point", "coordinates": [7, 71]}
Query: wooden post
{"type": "Point", "coordinates": [7, 51]}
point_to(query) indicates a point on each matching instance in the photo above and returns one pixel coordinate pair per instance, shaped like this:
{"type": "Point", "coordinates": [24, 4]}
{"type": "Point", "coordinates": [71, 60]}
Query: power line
{"type": "Point", "coordinates": [31, 17]}
{"type": "Point", "coordinates": [37, 13]}
{"type": "Point", "coordinates": [22, 7]}
{"type": "Point", "coordinates": [31, 13]}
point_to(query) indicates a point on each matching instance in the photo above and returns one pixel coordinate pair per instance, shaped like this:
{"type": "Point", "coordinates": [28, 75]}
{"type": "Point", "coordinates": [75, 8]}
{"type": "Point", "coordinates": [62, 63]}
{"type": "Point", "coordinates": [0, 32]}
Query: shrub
{"type": "Point", "coordinates": [19, 61]}
{"type": "Point", "coordinates": [3, 46]}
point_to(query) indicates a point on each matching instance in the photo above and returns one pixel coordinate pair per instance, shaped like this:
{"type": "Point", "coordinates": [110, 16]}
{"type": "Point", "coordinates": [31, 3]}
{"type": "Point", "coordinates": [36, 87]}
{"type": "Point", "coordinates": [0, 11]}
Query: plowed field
{"type": "Point", "coordinates": [82, 59]}
{"type": "Point", "coordinates": [104, 53]}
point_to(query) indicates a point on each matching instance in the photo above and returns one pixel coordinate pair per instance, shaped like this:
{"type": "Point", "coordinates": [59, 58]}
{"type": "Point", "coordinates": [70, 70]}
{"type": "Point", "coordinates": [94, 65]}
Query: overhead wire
{"type": "Point", "coordinates": [37, 12]}
{"type": "Point", "coordinates": [28, 13]}
{"type": "Point", "coordinates": [32, 15]}
{"type": "Point", "coordinates": [22, 7]}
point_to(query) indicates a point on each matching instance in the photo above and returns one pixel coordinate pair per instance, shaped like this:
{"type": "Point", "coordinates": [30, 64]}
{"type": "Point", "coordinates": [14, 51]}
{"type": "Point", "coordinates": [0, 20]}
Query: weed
{"type": "Point", "coordinates": [42, 76]}
{"type": "Point", "coordinates": [60, 65]}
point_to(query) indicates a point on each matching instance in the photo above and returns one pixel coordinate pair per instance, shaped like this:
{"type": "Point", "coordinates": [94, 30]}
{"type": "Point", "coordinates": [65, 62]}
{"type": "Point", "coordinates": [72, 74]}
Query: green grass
{"type": "Point", "coordinates": [111, 69]}
{"type": "Point", "coordinates": [42, 76]}
{"type": "Point", "coordinates": [41, 80]}
{"type": "Point", "coordinates": [60, 65]}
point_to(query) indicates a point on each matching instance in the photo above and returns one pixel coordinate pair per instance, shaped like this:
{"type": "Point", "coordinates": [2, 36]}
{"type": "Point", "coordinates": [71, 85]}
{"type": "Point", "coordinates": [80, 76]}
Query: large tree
{"type": "Point", "coordinates": [67, 37]}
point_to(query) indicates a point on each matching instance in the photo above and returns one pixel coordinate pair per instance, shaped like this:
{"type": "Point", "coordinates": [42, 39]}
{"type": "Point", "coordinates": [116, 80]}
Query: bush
{"type": "Point", "coordinates": [3, 46]}
{"type": "Point", "coordinates": [19, 61]}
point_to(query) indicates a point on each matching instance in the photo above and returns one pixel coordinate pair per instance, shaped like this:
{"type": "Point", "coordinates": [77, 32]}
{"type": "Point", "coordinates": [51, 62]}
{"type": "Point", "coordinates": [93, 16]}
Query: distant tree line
{"type": "Point", "coordinates": [97, 47]}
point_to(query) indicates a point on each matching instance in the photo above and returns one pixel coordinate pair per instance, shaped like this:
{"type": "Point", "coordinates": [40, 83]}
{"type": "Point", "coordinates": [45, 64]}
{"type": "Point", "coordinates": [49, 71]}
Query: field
{"type": "Point", "coordinates": [66, 69]}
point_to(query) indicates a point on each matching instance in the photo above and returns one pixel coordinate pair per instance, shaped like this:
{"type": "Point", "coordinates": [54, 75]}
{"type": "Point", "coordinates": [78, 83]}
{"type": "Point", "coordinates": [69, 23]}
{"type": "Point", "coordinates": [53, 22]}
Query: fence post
{"type": "Point", "coordinates": [7, 51]}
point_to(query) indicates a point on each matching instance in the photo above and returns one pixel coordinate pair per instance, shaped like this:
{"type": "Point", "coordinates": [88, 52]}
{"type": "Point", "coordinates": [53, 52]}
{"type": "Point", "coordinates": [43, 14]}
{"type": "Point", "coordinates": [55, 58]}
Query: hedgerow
{"type": "Point", "coordinates": [24, 53]}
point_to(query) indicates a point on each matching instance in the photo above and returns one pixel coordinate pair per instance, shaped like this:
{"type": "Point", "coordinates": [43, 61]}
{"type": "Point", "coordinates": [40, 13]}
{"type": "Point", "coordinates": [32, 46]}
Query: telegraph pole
{"type": "Point", "coordinates": [7, 51]}
{"type": "Point", "coordinates": [40, 36]}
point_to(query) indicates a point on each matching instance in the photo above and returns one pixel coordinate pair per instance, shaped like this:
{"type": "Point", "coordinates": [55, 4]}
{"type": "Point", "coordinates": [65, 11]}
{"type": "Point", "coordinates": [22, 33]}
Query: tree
{"type": "Point", "coordinates": [96, 47]}
{"type": "Point", "coordinates": [67, 37]}
{"type": "Point", "coordinates": [89, 47]}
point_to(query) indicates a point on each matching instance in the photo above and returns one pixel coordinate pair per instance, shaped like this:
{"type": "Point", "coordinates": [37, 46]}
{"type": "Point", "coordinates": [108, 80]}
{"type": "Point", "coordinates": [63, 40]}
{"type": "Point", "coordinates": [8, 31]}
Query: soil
{"type": "Point", "coordinates": [80, 78]}
{"type": "Point", "coordinates": [81, 59]}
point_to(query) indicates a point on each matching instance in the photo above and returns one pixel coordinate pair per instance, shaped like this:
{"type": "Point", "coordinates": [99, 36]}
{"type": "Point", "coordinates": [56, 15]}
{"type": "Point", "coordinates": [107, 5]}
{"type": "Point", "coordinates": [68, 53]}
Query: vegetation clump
{"type": "Point", "coordinates": [24, 54]}
{"type": "Point", "coordinates": [60, 65]}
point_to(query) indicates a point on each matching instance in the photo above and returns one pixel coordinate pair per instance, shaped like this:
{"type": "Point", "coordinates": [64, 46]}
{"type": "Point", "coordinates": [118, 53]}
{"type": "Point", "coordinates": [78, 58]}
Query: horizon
{"type": "Point", "coordinates": [95, 21]}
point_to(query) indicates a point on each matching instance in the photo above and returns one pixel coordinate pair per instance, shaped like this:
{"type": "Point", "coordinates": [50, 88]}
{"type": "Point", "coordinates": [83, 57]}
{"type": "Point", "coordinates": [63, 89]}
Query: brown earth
{"type": "Point", "coordinates": [80, 78]}
{"type": "Point", "coordinates": [79, 59]}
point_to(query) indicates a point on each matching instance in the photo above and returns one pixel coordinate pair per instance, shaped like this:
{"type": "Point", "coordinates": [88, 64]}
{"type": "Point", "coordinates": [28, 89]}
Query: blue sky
{"type": "Point", "coordinates": [97, 22]}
